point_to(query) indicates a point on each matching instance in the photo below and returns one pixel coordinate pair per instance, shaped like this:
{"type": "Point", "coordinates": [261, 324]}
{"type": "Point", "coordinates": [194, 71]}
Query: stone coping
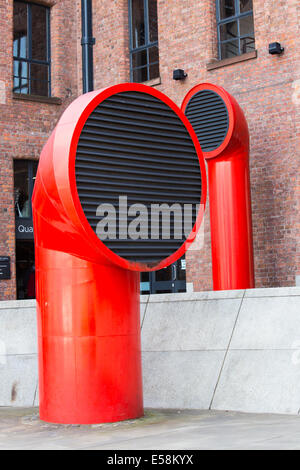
{"type": "Point", "coordinates": [219, 295]}
{"type": "Point", "coordinates": [7, 304]}
{"type": "Point", "coordinates": [185, 297]}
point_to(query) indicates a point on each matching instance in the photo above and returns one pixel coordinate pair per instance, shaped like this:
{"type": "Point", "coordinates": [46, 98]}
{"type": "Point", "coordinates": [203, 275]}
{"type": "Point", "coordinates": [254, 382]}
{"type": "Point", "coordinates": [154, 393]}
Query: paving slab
{"type": "Point", "coordinates": [157, 430]}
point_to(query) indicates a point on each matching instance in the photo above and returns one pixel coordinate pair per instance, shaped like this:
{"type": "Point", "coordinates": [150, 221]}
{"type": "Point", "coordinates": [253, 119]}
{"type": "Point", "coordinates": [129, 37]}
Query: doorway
{"type": "Point", "coordinates": [25, 269]}
{"type": "Point", "coordinates": [166, 281]}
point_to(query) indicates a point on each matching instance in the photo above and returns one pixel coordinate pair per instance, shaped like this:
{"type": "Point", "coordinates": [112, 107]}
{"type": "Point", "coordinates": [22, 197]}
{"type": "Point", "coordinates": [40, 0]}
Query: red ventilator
{"type": "Point", "coordinates": [222, 130]}
{"type": "Point", "coordinates": [124, 144]}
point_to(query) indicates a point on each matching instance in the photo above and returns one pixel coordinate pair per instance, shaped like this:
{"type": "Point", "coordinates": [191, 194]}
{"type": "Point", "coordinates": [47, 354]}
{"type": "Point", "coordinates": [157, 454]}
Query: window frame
{"type": "Point", "coordinates": [29, 60]}
{"type": "Point", "coordinates": [220, 22]}
{"type": "Point", "coordinates": [146, 47]}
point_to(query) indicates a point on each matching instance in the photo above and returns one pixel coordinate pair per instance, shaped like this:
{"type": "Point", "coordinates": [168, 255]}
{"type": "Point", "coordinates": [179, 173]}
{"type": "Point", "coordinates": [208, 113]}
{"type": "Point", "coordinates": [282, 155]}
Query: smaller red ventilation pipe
{"type": "Point", "coordinates": [227, 157]}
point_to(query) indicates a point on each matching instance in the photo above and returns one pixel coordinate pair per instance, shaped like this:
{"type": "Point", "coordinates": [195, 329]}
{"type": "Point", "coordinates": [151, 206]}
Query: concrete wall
{"type": "Point", "coordinates": [235, 350]}
{"type": "Point", "coordinates": [18, 353]}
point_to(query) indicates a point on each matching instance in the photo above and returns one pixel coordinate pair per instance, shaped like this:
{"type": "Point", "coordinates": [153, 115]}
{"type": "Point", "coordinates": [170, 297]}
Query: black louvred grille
{"type": "Point", "coordinates": [208, 115]}
{"type": "Point", "coordinates": [134, 145]}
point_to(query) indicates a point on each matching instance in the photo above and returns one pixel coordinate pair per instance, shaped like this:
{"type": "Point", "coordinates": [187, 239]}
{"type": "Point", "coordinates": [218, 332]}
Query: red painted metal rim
{"type": "Point", "coordinates": [227, 99]}
{"type": "Point", "coordinates": [93, 100]}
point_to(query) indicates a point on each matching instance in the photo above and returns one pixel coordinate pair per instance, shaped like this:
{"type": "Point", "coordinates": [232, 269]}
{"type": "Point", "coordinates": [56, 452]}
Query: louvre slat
{"type": "Point", "coordinates": [142, 176]}
{"type": "Point", "coordinates": [146, 115]}
{"type": "Point", "coordinates": [162, 158]}
{"type": "Point", "coordinates": [134, 197]}
{"type": "Point", "coordinates": [128, 106]}
{"type": "Point", "coordinates": [139, 163]}
{"type": "Point", "coordinates": [110, 129]}
{"type": "Point", "coordinates": [128, 141]}
{"type": "Point", "coordinates": [95, 122]}
{"type": "Point", "coordinates": [129, 183]}
{"type": "Point", "coordinates": [135, 137]}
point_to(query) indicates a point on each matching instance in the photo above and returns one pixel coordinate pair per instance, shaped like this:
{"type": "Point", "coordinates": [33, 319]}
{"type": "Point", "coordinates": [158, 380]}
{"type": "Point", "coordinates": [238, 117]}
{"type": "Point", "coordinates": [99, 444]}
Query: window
{"type": "Point", "coordinates": [144, 58]}
{"type": "Point", "coordinates": [235, 27]}
{"type": "Point", "coordinates": [24, 178]}
{"type": "Point", "coordinates": [168, 280]}
{"type": "Point", "coordinates": [31, 49]}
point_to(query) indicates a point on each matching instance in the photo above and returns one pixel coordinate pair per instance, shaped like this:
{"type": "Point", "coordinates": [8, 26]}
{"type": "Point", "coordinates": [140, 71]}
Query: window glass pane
{"type": "Point", "coordinates": [20, 46]}
{"type": "Point", "coordinates": [138, 23]}
{"type": "Point", "coordinates": [145, 283]}
{"type": "Point", "coordinates": [229, 31]}
{"type": "Point", "coordinates": [16, 68]}
{"type": "Point", "coordinates": [246, 5]}
{"type": "Point", "coordinates": [154, 71]}
{"type": "Point", "coordinates": [153, 27]}
{"type": "Point", "coordinates": [16, 87]}
{"type": "Point", "coordinates": [39, 79]}
{"type": "Point", "coordinates": [165, 274]}
{"type": "Point", "coordinates": [140, 75]}
{"type": "Point", "coordinates": [247, 44]}
{"type": "Point", "coordinates": [20, 77]}
{"type": "Point", "coordinates": [229, 49]}
{"type": "Point", "coordinates": [21, 69]}
{"type": "Point", "coordinates": [34, 170]}
{"type": "Point", "coordinates": [139, 59]}
{"type": "Point", "coordinates": [20, 30]}
{"type": "Point", "coordinates": [246, 26]}
{"type": "Point", "coordinates": [39, 32]}
{"type": "Point", "coordinates": [227, 8]}
{"type": "Point", "coordinates": [153, 55]}
{"type": "Point", "coordinates": [21, 181]}
{"type": "Point", "coordinates": [20, 86]}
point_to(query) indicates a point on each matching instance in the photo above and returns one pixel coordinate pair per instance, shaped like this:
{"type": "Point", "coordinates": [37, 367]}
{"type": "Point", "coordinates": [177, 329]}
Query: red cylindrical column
{"type": "Point", "coordinates": [230, 220]}
{"type": "Point", "coordinates": [221, 126]}
{"type": "Point", "coordinates": [89, 340]}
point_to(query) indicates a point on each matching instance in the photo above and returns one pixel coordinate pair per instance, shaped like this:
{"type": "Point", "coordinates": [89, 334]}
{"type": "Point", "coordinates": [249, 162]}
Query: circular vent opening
{"type": "Point", "coordinates": [208, 115]}
{"type": "Point", "coordinates": [134, 145]}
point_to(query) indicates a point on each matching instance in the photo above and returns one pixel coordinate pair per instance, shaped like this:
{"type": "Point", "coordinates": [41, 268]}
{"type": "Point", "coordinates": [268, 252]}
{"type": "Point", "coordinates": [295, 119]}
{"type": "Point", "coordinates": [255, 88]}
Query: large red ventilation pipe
{"type": "Point", "coordinates": [222, 130]}
{"type": "Point", "coordinates": [128, 140]}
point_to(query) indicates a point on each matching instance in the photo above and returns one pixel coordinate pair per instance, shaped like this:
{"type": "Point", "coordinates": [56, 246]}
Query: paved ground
{"type": "Point", "coordinates": [163, 430]}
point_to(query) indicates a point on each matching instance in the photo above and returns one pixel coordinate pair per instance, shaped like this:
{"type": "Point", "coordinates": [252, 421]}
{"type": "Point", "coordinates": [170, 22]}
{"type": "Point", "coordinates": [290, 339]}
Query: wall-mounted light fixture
{"type": "Point", "coordinates": [275, 48]}
{"type": "Point", "coordinates": [179, 74]}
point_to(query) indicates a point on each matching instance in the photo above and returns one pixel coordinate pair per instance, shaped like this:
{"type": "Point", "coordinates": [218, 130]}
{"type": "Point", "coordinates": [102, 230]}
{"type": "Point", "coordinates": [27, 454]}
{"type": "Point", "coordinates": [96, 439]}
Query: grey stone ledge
{"type": "Point", "coordinates": [273, 292]}
{"type": "Point", "coordinates": [31, 354]}
{"type": "Point", "coordinates": [194, 296]}
{"type": "Point", "coordinates": [188, 296]}
{"type": "Point", "coordinates": [11, 304]}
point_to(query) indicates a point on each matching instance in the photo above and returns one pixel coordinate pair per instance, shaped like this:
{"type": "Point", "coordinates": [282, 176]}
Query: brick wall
{"type": "Point", "coordinates": [26, 125]}
{"type": "Point", "coordinates": [111, 51]}
{"type": "Point", "coordinates": [267, 88]}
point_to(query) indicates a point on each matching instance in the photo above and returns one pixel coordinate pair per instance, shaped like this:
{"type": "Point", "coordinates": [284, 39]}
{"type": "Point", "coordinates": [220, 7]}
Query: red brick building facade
{"type": "Point", "coordinates": [266, 86]}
